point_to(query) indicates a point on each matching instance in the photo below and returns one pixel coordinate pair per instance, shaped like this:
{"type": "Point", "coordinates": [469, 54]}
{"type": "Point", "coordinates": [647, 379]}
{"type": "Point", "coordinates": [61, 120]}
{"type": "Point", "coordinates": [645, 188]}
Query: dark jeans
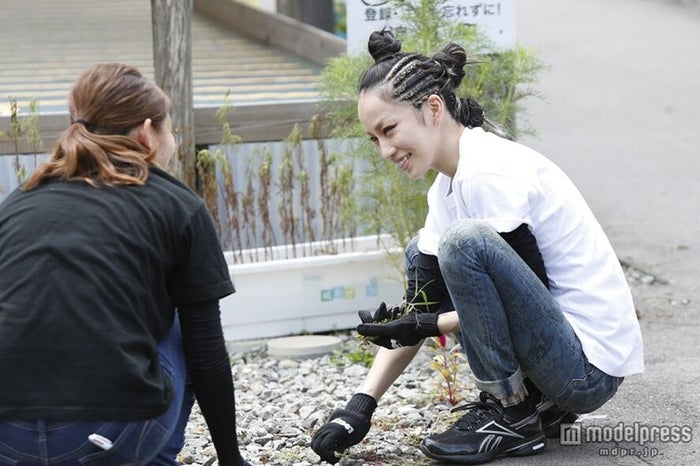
{"type": "Point", "coordinates": [511, 326]}
{"type": "Point", "coordinates": [154, 442]}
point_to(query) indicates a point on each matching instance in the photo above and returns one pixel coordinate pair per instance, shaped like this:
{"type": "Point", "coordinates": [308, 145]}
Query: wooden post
{"type": "Point", "coordinates": [318, 13]}
{"type": "Point", "coordinates": [172, 58]}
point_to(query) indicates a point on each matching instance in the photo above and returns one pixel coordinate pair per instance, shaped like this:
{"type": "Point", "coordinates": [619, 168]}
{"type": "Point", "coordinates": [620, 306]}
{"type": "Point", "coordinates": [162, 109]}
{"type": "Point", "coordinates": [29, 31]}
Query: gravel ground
{"type": "Point", "coordinates": [281, 403]}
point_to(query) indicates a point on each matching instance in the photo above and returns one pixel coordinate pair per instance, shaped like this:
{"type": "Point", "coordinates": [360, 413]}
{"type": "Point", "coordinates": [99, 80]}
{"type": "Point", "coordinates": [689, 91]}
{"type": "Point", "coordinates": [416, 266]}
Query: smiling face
{"type": "Point", "coordinates": [403, 134]}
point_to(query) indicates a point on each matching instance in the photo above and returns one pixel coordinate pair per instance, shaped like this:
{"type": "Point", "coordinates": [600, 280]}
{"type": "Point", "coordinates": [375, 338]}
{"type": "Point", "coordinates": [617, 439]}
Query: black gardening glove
{"type": "Point", "coordinates": [382, 314]}
{"type": "Point", "coordinates": [345, 427]}
{"type": "Point", "coordinates": [408, 330]}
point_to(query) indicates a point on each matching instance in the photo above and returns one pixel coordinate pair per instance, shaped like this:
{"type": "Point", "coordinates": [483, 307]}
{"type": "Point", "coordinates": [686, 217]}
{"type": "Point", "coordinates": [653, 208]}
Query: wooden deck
{"type": "Point", "coordinates": [45, 44]}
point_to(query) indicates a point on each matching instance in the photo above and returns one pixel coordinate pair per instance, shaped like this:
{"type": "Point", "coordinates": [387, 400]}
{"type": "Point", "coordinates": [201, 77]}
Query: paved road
{"type": "Point", "coordinates": [622, 118]}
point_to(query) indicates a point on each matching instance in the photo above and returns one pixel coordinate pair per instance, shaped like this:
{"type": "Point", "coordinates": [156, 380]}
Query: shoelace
{"type": "Point", "coordinates": [479, 411]}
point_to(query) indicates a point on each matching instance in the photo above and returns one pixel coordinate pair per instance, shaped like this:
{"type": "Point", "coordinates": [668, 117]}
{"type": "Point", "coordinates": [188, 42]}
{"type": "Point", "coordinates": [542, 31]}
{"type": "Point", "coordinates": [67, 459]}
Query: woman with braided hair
{"type": "Point", "coordinates": [510, 258]}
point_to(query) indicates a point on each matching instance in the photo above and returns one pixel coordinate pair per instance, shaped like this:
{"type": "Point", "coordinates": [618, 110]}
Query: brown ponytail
{"type": "Point", "coordinates": [105, 104]}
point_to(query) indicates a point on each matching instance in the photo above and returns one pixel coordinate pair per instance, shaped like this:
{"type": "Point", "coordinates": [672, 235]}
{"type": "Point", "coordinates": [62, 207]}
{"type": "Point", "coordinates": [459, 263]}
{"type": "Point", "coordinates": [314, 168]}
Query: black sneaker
{"type": "Point", "coordinates": [486, 431]}
{"type": "Point", "coordinates": [553, 418]}
{"type": "Point", "coordinates": [551, 415]}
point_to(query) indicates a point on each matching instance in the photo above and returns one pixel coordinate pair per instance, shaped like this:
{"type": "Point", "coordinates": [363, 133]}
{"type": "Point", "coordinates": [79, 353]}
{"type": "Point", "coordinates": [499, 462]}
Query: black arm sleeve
{"type": "Point", "coordinates": [210, 371]}
{"type": "Point", "coordinates": [524, 243]}
{"type": "Point", "coordinates": [426, 288]}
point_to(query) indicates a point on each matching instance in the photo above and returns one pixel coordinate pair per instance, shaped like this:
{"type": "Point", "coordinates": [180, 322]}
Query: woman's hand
{"type": "Point", "coordinates": [408, 330]}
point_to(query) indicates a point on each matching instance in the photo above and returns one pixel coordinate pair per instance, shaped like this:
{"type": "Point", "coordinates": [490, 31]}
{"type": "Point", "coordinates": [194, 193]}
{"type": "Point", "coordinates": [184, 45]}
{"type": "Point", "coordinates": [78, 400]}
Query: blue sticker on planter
{"type": "Point", "coordinates": [326, 295]}
{"type": "Point", "coordinates": [372, 290]}
{"type": "Point", "coordinates": [338, 292]}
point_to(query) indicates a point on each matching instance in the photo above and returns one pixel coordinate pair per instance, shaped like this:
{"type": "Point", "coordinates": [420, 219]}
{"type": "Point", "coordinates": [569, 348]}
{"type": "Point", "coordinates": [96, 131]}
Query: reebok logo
{"type": "Point", "coordinates": [344, 423]}
{"type": "Point", "coordinates": [495, 428]}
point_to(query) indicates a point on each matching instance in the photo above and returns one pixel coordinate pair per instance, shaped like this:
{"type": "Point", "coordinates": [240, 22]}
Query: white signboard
{"type": "Point", "coordinates": [495, 19]}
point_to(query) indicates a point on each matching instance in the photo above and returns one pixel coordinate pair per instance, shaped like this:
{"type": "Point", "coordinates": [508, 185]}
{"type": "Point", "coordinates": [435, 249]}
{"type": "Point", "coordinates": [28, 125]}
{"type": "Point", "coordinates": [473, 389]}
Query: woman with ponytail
{"type": "Point", "coordinates": [110, 278]}
{"type": "Point", "coordinates": [510, 258]}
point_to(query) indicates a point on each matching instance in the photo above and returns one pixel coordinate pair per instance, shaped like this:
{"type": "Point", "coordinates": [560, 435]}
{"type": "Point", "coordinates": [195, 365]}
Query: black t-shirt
{"type": "Point", "coordinates": [89, 279]}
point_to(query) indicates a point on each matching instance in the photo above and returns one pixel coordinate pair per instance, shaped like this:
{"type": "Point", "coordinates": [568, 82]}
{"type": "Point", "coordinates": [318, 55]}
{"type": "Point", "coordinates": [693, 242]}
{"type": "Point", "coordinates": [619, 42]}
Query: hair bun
{"type": "Point", "coordinates": [453, 58]}
{"type": "Point", "coordinates": [382, 45]}
{"type": "Point", "coordinates": [474, 113]}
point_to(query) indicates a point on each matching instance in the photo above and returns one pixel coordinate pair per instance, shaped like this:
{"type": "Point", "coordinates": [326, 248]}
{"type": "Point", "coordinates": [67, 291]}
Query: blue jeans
{"type": "Point", "coordinates": [511, 328]}
{"type": "Point", "coordinates": [63, 443]}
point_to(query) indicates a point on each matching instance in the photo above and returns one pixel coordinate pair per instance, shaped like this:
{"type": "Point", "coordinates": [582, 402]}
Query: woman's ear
{"type": "Point", "coordinates": [436, 108]}
{"type": "Point", "coordinates": [143, 133]}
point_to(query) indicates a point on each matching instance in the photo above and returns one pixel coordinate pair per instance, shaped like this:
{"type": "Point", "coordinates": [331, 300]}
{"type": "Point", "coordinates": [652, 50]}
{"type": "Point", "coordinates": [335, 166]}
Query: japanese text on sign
{"type": "Point", "coordinates": [495, 19]}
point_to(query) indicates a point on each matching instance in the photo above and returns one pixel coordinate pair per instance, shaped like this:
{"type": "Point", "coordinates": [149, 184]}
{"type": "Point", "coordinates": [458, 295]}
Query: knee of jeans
{"type": "Point", "coordinates": [464, 234]}
{"type": "Point", "coordinates": [412, 249]}
{"type": "Point", "coordinates": [410, 254]}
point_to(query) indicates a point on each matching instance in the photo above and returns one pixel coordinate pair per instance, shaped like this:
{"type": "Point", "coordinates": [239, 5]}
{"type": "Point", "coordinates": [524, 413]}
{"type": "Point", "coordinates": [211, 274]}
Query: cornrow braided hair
{"type": "Point", "coordinates": [413, 77]}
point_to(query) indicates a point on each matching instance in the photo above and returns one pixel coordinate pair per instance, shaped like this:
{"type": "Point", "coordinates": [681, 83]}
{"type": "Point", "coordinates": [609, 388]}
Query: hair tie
{"type": "Point", "coordinates": [82, 122]}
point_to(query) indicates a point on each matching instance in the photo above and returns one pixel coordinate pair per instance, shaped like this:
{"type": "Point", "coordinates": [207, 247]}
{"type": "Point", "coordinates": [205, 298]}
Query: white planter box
{"type": "Point", "coordinates": [317, 293]}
